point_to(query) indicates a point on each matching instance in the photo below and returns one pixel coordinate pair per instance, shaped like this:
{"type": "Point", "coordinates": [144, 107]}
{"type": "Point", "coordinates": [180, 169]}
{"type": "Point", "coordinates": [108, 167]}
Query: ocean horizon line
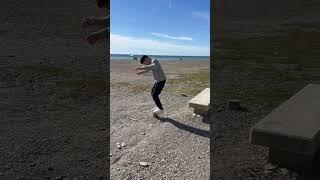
{"type": "Point", "coordinates": [159, 57]}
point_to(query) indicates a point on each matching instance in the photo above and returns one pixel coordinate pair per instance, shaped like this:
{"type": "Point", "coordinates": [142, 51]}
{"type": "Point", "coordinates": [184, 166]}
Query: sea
{"type": "Point", "coordinates": [119, 57]}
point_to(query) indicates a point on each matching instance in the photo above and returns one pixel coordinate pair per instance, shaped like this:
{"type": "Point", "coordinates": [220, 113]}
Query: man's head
{"type": "Point", "coordinates": [146, 60]}
{"type": "Point", "coordinates": [102, 3]}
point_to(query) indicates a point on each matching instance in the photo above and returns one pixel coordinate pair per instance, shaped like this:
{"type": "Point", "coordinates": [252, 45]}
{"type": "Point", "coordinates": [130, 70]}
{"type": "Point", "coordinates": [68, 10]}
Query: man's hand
{"type": "Point", "coordinates": [92, 38]}
{"type": "Point", "coordinates": [140, 72]}
{"type": "Point", "coordinates": [88, 21]}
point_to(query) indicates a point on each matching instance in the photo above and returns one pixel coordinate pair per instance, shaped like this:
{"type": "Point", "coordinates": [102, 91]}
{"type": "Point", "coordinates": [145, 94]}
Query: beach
{"type": "Point", "coordinates": [177, 145]}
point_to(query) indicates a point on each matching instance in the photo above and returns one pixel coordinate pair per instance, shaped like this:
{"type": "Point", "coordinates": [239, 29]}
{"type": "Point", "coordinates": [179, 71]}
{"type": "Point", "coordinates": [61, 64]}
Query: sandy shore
{"type": "Point", "coordinates": [177, 146]}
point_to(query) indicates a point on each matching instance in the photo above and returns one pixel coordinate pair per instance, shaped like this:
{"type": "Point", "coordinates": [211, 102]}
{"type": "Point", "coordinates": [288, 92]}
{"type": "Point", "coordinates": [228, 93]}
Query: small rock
{"type": "Point", "coordinates": [269, 167]}
{"type": "Point", "coordinates": [284, 171]}
{"type": "Point", "coordinates": [110, 155]}
{"type": "Point", "coordinates": [123, 144]}
{"type": "Point", "coordinates": [220, 109]}
{"type": "Point", "coordinates": [267, 172]}
{"type": "Point", "coordinates": [184, 95]}
{"type": "Point", "coordinates": [118, 146]}
{"type": "Point", "coordinates": [33, 164]}
{"type": "Point", "coordinates": [59, 178]}
{"type": "Point", "coordinates": [144, 164]}
{"type": "Point", "coordinates": [143, 133]}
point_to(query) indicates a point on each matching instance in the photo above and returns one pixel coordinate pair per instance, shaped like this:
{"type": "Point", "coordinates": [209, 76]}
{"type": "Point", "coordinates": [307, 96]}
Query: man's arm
{"type": "Point", "coordinates": [141, 72]}
{"type": "Point", "coordinates": [88, 21]}
{"type": "Point", "coordinates": [147, 67]}
{"type": "Point", "coordinates": [94, 37]}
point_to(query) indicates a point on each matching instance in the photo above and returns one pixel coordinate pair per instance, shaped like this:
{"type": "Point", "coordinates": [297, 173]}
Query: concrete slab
{"type": "Point", "coordinates": [293, 126]}
{"type": "Point", "coordinates": [201, 102]}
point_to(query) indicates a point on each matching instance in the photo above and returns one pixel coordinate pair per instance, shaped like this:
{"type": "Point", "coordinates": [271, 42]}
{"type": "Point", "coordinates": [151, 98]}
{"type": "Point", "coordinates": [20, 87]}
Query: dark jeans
{"type": "Point", "coordinates": [156, 90]}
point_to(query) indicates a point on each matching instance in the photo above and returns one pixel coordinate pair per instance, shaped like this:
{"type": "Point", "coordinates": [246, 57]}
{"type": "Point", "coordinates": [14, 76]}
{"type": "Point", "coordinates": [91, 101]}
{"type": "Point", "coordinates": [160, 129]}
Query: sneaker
{"type": "Point", "coordinates": [158, 112]}
{"type": "Point", "coordinates": [155, 108]}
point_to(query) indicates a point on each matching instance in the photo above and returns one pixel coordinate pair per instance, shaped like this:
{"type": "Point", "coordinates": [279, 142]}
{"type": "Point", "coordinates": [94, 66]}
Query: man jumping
{"type": "Point", "coordinates": [159, 77]}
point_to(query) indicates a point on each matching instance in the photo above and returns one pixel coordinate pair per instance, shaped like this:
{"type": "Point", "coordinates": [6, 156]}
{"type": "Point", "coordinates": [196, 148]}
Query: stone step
{"type": "Point", "coordinates": [201, 102]}
{"type": "Point", "coordinates": [293, 126]}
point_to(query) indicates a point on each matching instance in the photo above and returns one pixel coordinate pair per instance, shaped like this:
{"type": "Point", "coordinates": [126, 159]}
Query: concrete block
{"type": "Point", "coordinates": [201, 102]}
{"type": "Point", "coordinates": [294, 125]}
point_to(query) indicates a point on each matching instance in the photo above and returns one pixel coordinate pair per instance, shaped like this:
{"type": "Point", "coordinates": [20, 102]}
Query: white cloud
{"type": "Point", "coordinates": [120, 44]}
{"type": "Point", "coordinates": [201, 14]}
{"type": "Point", "coordinates": [172, 37]}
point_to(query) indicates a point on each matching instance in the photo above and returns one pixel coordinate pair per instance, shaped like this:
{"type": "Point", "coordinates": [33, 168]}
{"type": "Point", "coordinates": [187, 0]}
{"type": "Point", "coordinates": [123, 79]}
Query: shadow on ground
{"type": "Point", "coordinates": [197, 131]}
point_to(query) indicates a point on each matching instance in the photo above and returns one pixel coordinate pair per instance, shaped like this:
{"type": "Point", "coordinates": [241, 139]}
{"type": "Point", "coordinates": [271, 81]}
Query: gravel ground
{"type": "Point", "coordinates": [264, 53]}
{"type": "Point", "coordinates": [175, 146]}
{"type": "Point", "coordinates": [53, 93]}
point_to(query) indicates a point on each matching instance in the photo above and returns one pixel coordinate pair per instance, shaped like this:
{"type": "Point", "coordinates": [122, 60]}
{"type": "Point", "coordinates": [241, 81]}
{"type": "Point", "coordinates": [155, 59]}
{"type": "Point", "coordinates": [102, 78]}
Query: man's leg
{"type": "Point", "coordinates": [156, 92]}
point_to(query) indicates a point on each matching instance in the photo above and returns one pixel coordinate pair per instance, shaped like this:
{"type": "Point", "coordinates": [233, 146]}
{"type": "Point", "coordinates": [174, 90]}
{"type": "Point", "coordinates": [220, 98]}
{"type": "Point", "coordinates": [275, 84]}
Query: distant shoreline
{"type": "Point", "coordinates": [121, 57]}
{"type": "Point", "coordinates": [163, 60]}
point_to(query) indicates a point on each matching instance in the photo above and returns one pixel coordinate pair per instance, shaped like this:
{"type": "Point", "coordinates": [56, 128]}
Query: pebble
{"type": "Point", "coordinates": [267, 172]}
{"type": "Point", "coordinates": [110, 155]}
{"type": "Point", "coordinates": [269, 167]}
{"type": "Point", "coordinates": [184, 95]}
{"type": "Point", "coordinates": [118, 146]}
{"type": "Point", "coordinates": [143, 133]}
{"type": "Point", "coordinates": [144, 164]}
{"type": "Point", "coordinates": [220, 109]}
{"type": "Point", "coordinates": [284, 171]}
{"type": "Point", "coordinates": [123, 144]}
{"type": "Point", "coordinates": [33, 164]}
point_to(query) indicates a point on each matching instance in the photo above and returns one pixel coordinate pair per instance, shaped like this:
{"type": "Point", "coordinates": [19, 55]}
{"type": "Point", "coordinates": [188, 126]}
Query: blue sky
{"type": "Point", "coordinates": [160, 27]}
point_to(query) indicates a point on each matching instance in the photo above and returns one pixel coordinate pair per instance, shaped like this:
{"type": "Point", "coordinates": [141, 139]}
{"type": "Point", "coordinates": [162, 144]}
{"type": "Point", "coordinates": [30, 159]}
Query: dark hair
{"type": "Point", "coordinates": [102, 3]}
{"type": "Point", "coordinates": [143, 58]}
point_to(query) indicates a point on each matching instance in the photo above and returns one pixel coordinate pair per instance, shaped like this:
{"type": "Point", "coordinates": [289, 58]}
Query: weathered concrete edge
{"type": "Point", "coordinates": [285, 142]}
